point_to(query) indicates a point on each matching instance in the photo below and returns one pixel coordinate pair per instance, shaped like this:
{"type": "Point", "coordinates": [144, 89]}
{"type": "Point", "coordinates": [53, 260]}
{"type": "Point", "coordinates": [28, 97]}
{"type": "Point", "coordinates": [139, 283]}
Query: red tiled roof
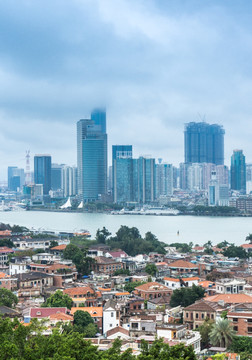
{"type": "Point", "coordinates": [94, 311]}
{"type": "Point", "coordinates": [5, 249]}
{"type": "Point", "coordinates": [81, 290]}
{"type": "Point", "coordinates": [171, 279]}
{"type": "Point", "coordinates": [117, 329]}
{"type": "Point", "coordinates": [61, 317]}
{"type": "Point", "coordinates": [152, 286]}
{"type": "Point", "coordinates": [246, 246]}
{"type": "Point", "coordinates": [205, 283]}
{"type": "Point", "coordinates": [230, 298]}
{"type": "Point", "coordinates": [116, 254]}
{"type": "Point", "coordinates": [183, 264]}
{"type": "Point", "coordinates": [5, 233]}
{"type": "Point", "coordinates": [59, 247]}
{"type": "Point", "coordinates": [46, 312]}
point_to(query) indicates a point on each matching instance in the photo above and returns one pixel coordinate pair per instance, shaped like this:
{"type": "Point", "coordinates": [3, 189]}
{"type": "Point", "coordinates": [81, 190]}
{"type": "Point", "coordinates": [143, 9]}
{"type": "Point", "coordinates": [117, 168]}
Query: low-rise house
{"type": "Point", "coordinates": [62, 274]}
{"type": "Point", "coordinates": [97, 250]}
{"type": "Point", "coordinates": [142, 325]}
{"type": "Point", "coordinates": [118, 332]}
{"type": "Point", "coordinates": [7, 312]}
{"type": "Point", "coordinates": [95, 312]}
{"type": "Point", "coordinates": [194, 315]}
{"type": "Point", "coordinates": [241, 318]}
{"type": "Point", "coordinates": [19, 265]}
{"type": "Point", "coordinates": [29, 243]}
{"type": "Point", "coordinates": [106, 265]}
{"type": "Point", "coordinates": [152, 290]}
{"type": "Point", "coordinates": [230, 299]}
{"type": "Point", "coordinates": [7, 281]}
{"type": "Point", "coordinates": [82, 295]}
{"type": "Point", "coordinates": [119, 254]}
{"type": "Point", "coordinates": [45, 257]}
{"type": "Point", "coordinates": [45, 312]}
{"type": "Point", "coordinates": [230, 286]}
{"type": "Point", "coordinates": [111, 316]}
{"type": "Point", "coordinates": [34, 279]}
{"type": "Point", "coordinates": [4, 255]}
{"type": "Point", "coordinates": [162, 302]}
{"type": "Point", "coordinates": [58, 250]}
{"type": "Point", "coordinates": [173, 283]}
{"type": "Point", "coordinates": [182, 267]}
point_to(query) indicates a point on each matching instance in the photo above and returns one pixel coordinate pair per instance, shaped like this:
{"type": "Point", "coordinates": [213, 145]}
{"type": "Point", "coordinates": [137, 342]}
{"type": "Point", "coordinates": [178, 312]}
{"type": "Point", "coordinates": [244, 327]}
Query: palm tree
{"type": "Point", "coordinates": [249, 238]}
{"type": "Point", "coordinates": [222, 333]}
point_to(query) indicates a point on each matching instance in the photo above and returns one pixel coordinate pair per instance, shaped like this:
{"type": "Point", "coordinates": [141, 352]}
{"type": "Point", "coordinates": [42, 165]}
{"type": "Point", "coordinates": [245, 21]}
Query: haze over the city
{"type": "Point", "coordinates": [154, 65]}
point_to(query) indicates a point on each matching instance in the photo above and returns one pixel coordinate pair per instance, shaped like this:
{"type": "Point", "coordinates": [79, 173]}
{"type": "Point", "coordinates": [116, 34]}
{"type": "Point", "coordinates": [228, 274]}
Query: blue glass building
{"type": "Point", "coordinates": [42, 172]}
{"type": "Point", "coordinates": [92, 157]}
{"type": "Point", "coordinates": [122, 169]}
{"type": "Point", "coordinates": [204, 143]}
{"type": "Point", "coordinates": [238, 171]}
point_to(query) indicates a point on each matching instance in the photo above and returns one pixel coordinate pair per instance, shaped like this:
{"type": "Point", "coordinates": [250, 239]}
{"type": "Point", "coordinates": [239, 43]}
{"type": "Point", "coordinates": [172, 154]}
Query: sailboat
{"type": "Point", "coordinates": [81, 205]}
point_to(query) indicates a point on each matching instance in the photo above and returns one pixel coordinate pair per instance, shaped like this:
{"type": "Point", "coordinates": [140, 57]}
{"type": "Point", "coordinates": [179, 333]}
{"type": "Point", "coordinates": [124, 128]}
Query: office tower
{"type": "Point", "coordinates": [222, 174]}
{"type": "Point", "coordinates": [42, 172]}
{"type": "Point", "coordinates": [217, 193]}
{"type": "Point", "coordinates": [69, 180]}
{"type": "Point", "coordinates": [204, 143]}
{"type": "Point", "coordinates": [238, 171]}
{"type": "Point", "coordinates": [56, 182]}
{"type": "Point", "coordinates": [16, 178]}
{"type": "Point", "coordinates": [144, 180]}
{"type": "Point", "coordinates": [248, 178]}
{"type": "Point", "coordinates": [122, 170]}
{"type": "Point", "coordinates": [92, 157]}
{"type": "Point", "coordinates": [99, 117]}
{"type": "Point", "coordinates": [164, 179]}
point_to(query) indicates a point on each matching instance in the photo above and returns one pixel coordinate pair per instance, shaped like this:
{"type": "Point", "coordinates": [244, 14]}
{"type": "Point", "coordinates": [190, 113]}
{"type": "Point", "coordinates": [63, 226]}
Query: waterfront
{"type": "Point", "coordinates": [198, 229]}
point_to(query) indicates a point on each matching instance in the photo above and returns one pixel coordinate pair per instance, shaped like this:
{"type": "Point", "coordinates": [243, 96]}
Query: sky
{"type": "Point", "coordinates": [154, 64]}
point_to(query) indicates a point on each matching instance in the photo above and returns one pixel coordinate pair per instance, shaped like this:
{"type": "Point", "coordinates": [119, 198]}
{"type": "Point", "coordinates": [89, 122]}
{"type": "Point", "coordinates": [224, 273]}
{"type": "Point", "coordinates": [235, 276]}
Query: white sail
{"type": "Point", "coordinates": [67, 204]}
{"type": "Point", "coordinates": [80, 205]}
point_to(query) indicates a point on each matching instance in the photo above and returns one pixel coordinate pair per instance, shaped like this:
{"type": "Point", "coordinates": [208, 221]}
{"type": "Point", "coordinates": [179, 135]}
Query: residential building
{"type": "Point", "coordinates": [82, 295]}
{"type": "Point", "coordinates": [69, 180]}
{"type": "Point", "coordinates": [173, 283]}
{"type": "Point", "coordinates": [4, 255]}
{"type": "Point", "coordinates": [42, 172]}
{"type": "Point", "coordinates": [152, 290]}
{"type": "Point", "coordinates": [182, 267]}
{"type": "Point", "coordinates": [111, 316]}
{"type": "Point", "coordinates": [194, 315]}
{"type": "Point", "coordinates": [56, 175]}
{"type": "Point", "coordinates": [204, 143]}
{"type": "Point", "coordinates": [142, 324]}
{"type": "Point", "coordinates": [106, 265]}
{"type": "Point", "coordinates": [92, 157]}
{"type": "Point", "coordinates": [16, 178]}
{"type": "Point", "coordinates": [241, 318]}
{"type": "Point", "coordinates": [238, 171]}
{"type": "Point", "coordinates": [230, 286]}
{"type": "Point", "coordinates": [164, 179]}
{"type": "Point", "coordinates": [95, 312]}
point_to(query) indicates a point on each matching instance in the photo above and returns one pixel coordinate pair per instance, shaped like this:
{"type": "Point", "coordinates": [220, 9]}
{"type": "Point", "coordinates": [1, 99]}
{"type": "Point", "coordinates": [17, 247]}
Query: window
{"type": "Point", "coordinates": [196, 326]}
{"type": "Point", "coordinates": [134, 325]}
{"type": "Point", "coordinates": [143, 328]}
{"type": "Point", "coordinates": [134, 307]}
{"type": "Point", "coordinates": [212, 316]}
{"type": "Point", "coordinates": [139, 306]}
{"type": "Point", "coordinates": [197, 315]}
{"type": "Point", "coordinates": [202, 316]}
{"type": "Point", "coordinates": [249, 329]}
{"type": "Point", "coordinates": [112, 314]}
{"type": "Point", "coordinates": [187, 315]}
{"type": "Point", "coordinates": [249, 320]}
{"type": "Point", "coordinates": [235, 328]}
{"type": "Point", "coordinates": [110, 325]}
{"type": "Point", "coordinates": [235, 320]}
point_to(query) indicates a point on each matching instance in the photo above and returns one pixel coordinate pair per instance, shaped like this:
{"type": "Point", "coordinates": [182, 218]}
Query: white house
{"type": "Point", "coordinates": [110, 316]}
{"type": "Point", "coordinates": [178, 283]}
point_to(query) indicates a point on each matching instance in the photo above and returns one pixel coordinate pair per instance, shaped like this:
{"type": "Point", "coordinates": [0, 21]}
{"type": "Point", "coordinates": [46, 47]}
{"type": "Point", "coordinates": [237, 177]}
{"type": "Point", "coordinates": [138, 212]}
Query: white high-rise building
{"type": "Point", "coordinates": [69, 180]}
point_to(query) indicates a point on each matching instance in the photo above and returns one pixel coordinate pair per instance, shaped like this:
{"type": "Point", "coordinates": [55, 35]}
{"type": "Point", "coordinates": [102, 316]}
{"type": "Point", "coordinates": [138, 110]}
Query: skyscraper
{"type": "Point", "coordinates": [204, 143]}
{"type": "Point", "coordinates": [122, 169]}
{"type": "Point", "coordinates": [56, 171]}
{"type": "Point", "coordinates": [238, 171]}
{"type": "Point", "coordinates": [164, 179]}
{"type": "Point", "coordinates": [144, 180]}
{"type": "Point", "coordinates": [92, 157]}
{"type": "Point", "coordinates": [69, 180]}
{"type": "Point", "coordinates": [42, 171]}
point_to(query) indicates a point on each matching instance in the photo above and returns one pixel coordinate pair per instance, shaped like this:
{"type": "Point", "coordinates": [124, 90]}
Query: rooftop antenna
{"type": "Point", "coordinates": [202, 117]}
{"type": "Point", "coordinates": [27, 168]}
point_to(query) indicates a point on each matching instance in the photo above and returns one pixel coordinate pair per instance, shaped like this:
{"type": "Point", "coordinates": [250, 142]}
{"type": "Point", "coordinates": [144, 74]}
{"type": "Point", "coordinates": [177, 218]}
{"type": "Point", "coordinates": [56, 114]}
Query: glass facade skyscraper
{"type": "Point", "coordinates": [238, 171]}
{"type": "Point", "coordinates": [204, 143]}
{"type": "Point", "coordinates": [42, 172]}
{"type": "Point", "coordinates": [92, 157]}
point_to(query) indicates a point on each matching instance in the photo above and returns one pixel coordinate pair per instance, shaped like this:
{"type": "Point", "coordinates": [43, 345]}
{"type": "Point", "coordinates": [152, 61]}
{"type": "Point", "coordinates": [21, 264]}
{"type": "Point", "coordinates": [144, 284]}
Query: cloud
{"type": "Point", "coordinates": [154, 65]}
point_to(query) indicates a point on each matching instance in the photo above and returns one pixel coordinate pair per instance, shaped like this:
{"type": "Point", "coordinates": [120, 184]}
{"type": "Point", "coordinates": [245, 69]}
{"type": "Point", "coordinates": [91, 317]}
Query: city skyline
{"type": "Point", "coordinates": [154, 65]}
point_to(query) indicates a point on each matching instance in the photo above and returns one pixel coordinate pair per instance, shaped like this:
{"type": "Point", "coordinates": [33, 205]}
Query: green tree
{"type": "Point", "coordinates": [132, 285]}
{"type": "Point", "coordinates": [186, 296]}
{"type": "Point", "coordinates": [102, 235]}
{"type": "Point", "coordinates": [84, 323]}
{"type": "Point", "coordinates": [235, 251]}
{"type": "Point", "coordinates": [205, 330]}
{"type": "Point", "coordinates": [223, 244]}
{"type": "Point", "coordinates": [79, 257]}
{"type": "Point", "coordinates": [53, 243]}
{"type": "Point", "coordinates": [241, 344]}
{"type": "Point", "coordinates": [222, 333]}
{"type": "Point", "coordinates": [183, 247]}
{"type": "Point", "coordinates": [151, 269]}
{"type": "Point", "coordinates": [59, 299]}
{"type": "Point", "coordinates": [7, 298]}
{"type": "Point", "coordinates": [249, 238]}
{"type": "Point", "coordinates": [6, 242]}
{"type": "Point", "coordinates": [122, 272]}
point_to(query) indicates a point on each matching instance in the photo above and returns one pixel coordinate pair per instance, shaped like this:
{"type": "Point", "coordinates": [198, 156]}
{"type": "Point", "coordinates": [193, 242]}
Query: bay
{"type": "Point", "coordinates": [198, 229]}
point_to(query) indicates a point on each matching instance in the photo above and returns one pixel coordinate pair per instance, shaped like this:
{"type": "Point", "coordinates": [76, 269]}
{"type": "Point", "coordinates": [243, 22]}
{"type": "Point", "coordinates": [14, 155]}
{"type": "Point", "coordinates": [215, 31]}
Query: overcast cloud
{"type": "Point", "coordinates": [155, 65]}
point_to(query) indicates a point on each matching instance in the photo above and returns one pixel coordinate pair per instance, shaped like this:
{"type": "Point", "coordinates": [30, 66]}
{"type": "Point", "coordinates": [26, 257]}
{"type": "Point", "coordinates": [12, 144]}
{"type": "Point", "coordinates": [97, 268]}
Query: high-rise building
{"type": "Point", "coordinates": [69, 180]}
{"type": "Point", "coordinates": [238, 171]}
{"type": "Point", "coordinates": [42, 172]}
{"type": "Point", "coordinates": [204, 143]}
{"type": "Point", "coordinates": [56, 182]}
{"type": "Point", "coordinates": [144, 180]}
{"type": "Point", "coordinates": [122, 170]}
{"type": "Point", "coordinates": [16, 178]}
{"type": "Point", "coordinates": [218, 194]}
{"type": "Point", "coordinates": [164, 179]}
{"type": "Point", "coordinates": [92, 157]}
